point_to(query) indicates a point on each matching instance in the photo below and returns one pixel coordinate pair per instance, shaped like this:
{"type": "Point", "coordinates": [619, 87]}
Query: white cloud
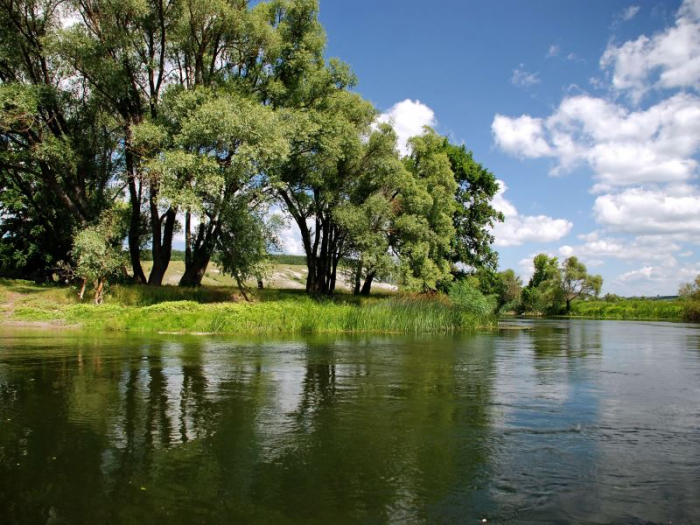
{"type": "Point", "coordinates": [630, 12]}
{"type": "Point", "coordinates": [553, 51]}
{"type": "Point", "coordinates": [521, 77]}
{"type": "Point", "coordinates": [651, 280]}
{"type": "Point", "coordinates": [518, 229]}
{"type": "Point", "coordinates": [647, 249]}
{"type": "Point", "coordinates": [523, 136]}
{"type": "Point", "coordinates": [408, 118]}
{"type": "Point", "coordinates": [646, 272]}
{"type": "Point", "coordinates": [674, 210]}
{"type": "Point", "coordinates": [290, 240]}
{"type": "Point", "coordinates": [621, 146]}
{"type": "Point", "coordinates": [668, 59]}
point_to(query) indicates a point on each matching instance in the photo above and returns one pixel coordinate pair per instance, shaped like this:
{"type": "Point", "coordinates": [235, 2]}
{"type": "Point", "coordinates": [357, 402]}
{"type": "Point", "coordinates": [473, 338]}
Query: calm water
{"type": "Point", "coordinates": [565, 422]}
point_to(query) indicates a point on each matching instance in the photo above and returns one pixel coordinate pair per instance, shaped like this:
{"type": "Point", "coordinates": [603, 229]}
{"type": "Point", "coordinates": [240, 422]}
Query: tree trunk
{"type": "Point", "coordinates": [568, 305]}
{"type": "Point", "coordinates": [367, 286]}
{"type": "Point", "coordinates": [194, 272]}
{"type": "Point", "coordinates": [162, 241]}
{"type": "Point", "coordinates": [81, 293]}
{"type": "Point", "coordinates": [134, 231]}
{"type": "Point", "coordinates": [241, 287]}
{"type": "Point", "coordinates": [99, 290]}
{"type": "Point", "coordinates": [357, 278]}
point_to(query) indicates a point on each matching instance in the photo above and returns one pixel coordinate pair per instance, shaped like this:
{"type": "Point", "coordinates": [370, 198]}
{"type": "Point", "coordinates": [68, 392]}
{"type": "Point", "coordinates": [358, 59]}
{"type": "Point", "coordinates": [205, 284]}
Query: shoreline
{"type": "Point", "coordinates": [218, 311]}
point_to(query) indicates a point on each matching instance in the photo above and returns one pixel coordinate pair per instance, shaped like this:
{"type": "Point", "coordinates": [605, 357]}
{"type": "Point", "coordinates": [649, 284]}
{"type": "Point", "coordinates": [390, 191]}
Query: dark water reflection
{"type": "Point", "coordinates": [566, 422]}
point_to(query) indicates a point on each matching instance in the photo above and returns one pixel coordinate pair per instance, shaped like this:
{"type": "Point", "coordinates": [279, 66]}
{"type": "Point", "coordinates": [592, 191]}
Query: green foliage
{"type": "Point", "coordinates": [245, 242]}
{"type": "Point", "coordinates": [630, 309]}
{"type": "Point", "coordinates": [474, 214]}
{"type": "Point", "coordinates": [427, 208]}
{"type": "Point", "coordinates": [576, 283]}
{"type": "Point", "coordinates": [690, 290]}
{"type": "Point", "coordinates": [612, 298]}
{"type": "Point", "coordinates": [216, 310]}
{"type": "Point", "coordinates": [294, 260]}
{"type": "Point", "coordinates": [552, 289]}
{"type": "Point", "coordinates": [465, 295]}
{"type": "Point", "coordinates": [191, 106]}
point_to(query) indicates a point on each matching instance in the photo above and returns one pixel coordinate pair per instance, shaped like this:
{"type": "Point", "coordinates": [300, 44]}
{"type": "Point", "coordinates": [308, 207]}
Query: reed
{"type": "Point", "coordinates": [220, 310]}
{"type": "Point", "coordinates": [633, 309]}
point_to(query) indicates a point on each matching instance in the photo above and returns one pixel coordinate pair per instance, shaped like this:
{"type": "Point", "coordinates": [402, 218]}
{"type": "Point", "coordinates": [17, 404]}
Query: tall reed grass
{"type": "Point", "coordinates": [219, 310]}
{"type": "Point", "coordinates": [634, 309]}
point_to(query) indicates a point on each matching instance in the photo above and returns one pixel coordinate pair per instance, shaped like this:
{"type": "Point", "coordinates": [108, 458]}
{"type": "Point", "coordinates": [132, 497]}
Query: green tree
{"type": "Point", "coordinates": [98, 254]}
{"type": "Point", "coordinates": [425, 229]}
{"type": "Point", "coordinates": [509, 288]}
{"type": "Point", "coordinates": [690, 290]}
{"type": "Point", "coordinates": [542, 293]}
{"type": "Point", "coordinates": [474, 215]}
{"type": "Point", "coordinates": [323, 171]}
{"type": "Point", "coordinates": [576, 282]}
{"type": "Point", "coordinates": [246, 241]}
{"type": "Point", "coordinates": [209, 147]}
{"type": "Point", "coordinates": [57, 155]}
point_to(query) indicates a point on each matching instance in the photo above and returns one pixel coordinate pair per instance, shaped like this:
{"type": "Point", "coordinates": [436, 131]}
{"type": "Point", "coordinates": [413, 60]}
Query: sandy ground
{"type": "Point", "coordinates": [282, 276]}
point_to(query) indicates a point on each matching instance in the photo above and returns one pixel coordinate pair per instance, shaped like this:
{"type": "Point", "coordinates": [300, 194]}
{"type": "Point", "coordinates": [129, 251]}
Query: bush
{"type": "Point", "coordinates": [691, 311]}
{"type": "Point", "coordinates": [465, 296]}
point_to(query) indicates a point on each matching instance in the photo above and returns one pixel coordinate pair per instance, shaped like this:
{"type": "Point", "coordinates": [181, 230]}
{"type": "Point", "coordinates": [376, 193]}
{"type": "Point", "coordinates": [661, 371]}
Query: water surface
{"type": "Point", "coordinates": [561, 422]}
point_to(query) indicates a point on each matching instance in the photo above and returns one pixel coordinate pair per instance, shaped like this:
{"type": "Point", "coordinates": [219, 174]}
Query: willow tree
{"type": "Point", "coordinates": [575, 282]}
{"type": "Point", "coordinates": [56, 151]}
{"type": "Point", "coordinates": [475, 214]}
{"type": "Point", "coordinates": [369, 213]}
{"type": "Point", "coordinates": [130, 52]}
{"type": "Point", "coordinates": [210, 148]}
{"type": "Point", "coordinates": [425, 229]}
{"type": "Point", "coordinates": [327, 147]}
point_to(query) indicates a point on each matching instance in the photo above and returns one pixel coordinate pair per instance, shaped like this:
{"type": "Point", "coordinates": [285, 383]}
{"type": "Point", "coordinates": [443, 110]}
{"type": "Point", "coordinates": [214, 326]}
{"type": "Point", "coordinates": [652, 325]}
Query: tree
{"type": "Point", "coordinates": [474, 215]}
{"type": "Point", "coordinates": [245, 242]}
{"type": "Point", "coordinates": [208, 148]}
{"type": "Point", "coordinates": [98, 254]}
{"type": "Point", "coordinates": [690, 290]}
{"type": "Point", "coordinates": [543, 290]}
{"type": "Point", "coordinates": [321, 176]}
{"type": "Point", "coordinates": [425, 229]}
{"type": "Point", "coordinates": [509, 287]}
{"type": "Point", "coordinates": [57, 155]}
{"type": "Point", "coordinates": [576, 282]}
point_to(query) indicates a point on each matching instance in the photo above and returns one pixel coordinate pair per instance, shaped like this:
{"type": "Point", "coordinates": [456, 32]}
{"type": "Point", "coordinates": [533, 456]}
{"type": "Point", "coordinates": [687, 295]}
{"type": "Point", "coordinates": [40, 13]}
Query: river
{"type": "Point", "coordinates": [547, 421]}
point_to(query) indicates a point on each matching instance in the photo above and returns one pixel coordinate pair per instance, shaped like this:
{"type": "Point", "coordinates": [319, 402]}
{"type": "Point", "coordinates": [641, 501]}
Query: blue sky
{"type": "Point", "coordinates": [587, 111]}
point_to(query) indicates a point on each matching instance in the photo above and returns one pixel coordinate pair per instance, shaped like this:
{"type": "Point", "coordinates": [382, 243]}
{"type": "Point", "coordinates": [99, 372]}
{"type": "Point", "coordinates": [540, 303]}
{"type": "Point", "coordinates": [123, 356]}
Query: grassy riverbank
{"type": "Point", "coordinates": [221, 310]}
{"type": "Point", "coordinates": [634, 309]}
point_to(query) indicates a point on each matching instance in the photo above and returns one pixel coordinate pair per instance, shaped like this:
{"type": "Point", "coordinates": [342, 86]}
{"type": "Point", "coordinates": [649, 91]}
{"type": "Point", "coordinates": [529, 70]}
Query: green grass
{"type": "Point", "coordinates": [636, 309]}
{"type": "Point", "coordinates": [212, 309]}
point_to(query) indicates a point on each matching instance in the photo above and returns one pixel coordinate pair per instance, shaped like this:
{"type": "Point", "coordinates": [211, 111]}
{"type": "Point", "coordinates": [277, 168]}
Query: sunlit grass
{"type": "Point", "coordinates": [221, 310]}
{"type": "Point", "coordinates": [633, 309]}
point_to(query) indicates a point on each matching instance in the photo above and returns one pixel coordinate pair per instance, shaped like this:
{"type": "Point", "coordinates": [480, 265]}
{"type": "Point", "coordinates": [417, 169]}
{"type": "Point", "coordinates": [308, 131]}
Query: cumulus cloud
{"type": "Point", "coordinates": [522, 136]}
{"type": "Point", "coordinates": [518, 229]}
{"type": "Point", "coordinates": [523, 78]}
{"type": "Point", "coordinates": [639, 210]}
{"type": "Point", "coordinates": [654, 280]}
{"type": "Point", "coordinates": [553, 51]}
{"type": "Point", "coordinates": [290, 240]}
{"type": "Point", "coordinates": [646, 249]}
{"type": "Point", "coordinates": [408, 118]}
{"type": "Point", "coordinates": [668, 59]}
{"type": "Point", "coordinates": [621, 146]}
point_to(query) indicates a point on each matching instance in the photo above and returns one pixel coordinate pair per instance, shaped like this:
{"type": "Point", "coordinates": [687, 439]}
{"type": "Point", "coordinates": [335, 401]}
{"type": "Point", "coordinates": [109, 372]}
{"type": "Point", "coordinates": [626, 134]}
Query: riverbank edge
{"type": "Point", "coordinates": [220, 312]}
